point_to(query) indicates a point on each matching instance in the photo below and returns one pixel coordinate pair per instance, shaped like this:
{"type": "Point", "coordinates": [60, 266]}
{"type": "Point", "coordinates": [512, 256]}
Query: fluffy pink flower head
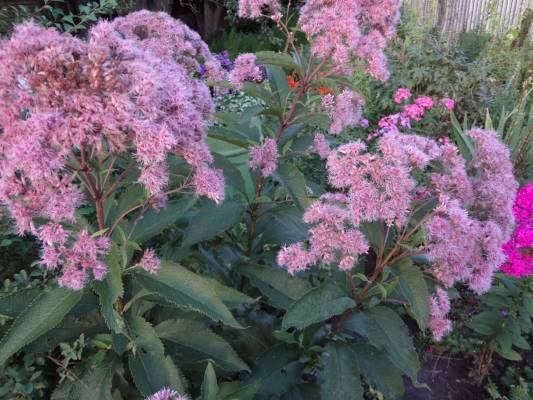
{"type": "Point", "coordinates": [258, 8]}
{"type": "Point", "coordinates": [360, 30]}
{"type": "Point", "coordinates": [413, 111]}
{"type": "Point", "coordinates": [401, 95]}
{"type": "Point", "coordinates": [167, 394]}
{"type": "Point", "coordinates": [439, 307]}
{"type": "Point", "coordinates": [295, 258]}
{"type": "Point", "coordinates": [264, 157]}
{"type": "Point", "coordinates": [245, 69]}
{"type": "Point", "coordinates": [129, 88]}
{"type": "Point", "coordinates": [150, 262]}
{"type": "Point", "coordinates": [321, 146]}
{"type": "Point", "coordinates": [345, 110]}
{"type": "Point", "coordinates": [447, 103]}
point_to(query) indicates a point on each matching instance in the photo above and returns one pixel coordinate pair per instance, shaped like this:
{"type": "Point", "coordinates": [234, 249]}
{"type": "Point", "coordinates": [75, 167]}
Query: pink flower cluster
{"type": "Point", "coordinates": [264, 157]}
{"type": "Point", "coordinates": [345, 110]}
{"type": "Point", "coordinates": [258, 8]}
{"type": "Point", "coordinates": [345, 30]}
{"type": "Point", "coordinates": [466, 231]}
{"type": "Point", "coordinates": [245, 69]}
{"type": "Point", "coordinates": [167, 394]}
{"type": "Point", "coordinates": [67, 102]}
{"type": "Point", "coordinates": [519, 249]}
{"type": "Point", "coordinates": [76, 258]}
{"type": "Point", "coordinates": [401, 95]}
{"type": "Point", "coordinates": [321, 146]}
{"type": "Point", "coordinates": [150, 262]}
{"type": "Point", "coordinates": [439, 307]}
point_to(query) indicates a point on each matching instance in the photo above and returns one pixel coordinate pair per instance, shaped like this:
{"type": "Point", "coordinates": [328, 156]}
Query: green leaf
{"type": "Point", "coordinates": [277, 285]}
{"type": "Point", "coordinates": [154, 222]}
{"type": "Point", "coordinates": [277, 370]}
{"type": "Point", "coordinates": [13, 304]}
{"type": "Point", "coordinates": [132, 196]}
{"type": "Point", "coordinates": [378, 370]}
{"type": "Point", "coordinates": [199, 344]}
{"type": "Point", "coordinates": [95, 382]}
{"type": "Point", "coordinates": [230, 297]}
{"type": "Point", "coordinates": [150, 370]}
{"type": "Point", "coordinates": [246, 392]}
{"type": "Point", "coordinates": [317, 305]}
{"type": "Point", "coordinates": [110, 289]}
{"type": "Point", "coordinates": [212, 220]}
{"type": "Point", "coordinates": [294, 183]}
{"type": "Point", "coordinates": [42, 315]}
{"type": "Point", "coordinates": [232, 175]}
{"type": "Point", "coordinates": [463, 142]}
{"type": "Point", "coordinates": [282, 225]}
{"type": "Point", "coordinates": [413, 287]}
{"type": "Point", "coordinates": [187, 290]}
{"type": "Point", "coordinates": [209, 388]}
{"type": "Point", "coordinates": [386, 331]}
{"type": "Point", "coordinates": [315, 119]}
{"type": "Point", "coordinates": [341, 373]}
{"type": "Point", "coordinates": [486, 323]}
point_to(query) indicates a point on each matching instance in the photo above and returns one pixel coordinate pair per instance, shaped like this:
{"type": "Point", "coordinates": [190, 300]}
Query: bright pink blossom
{"type": "Point", "coordinates": [519, 249]}
{"type": "Point", "coordinates": [264, 157]}
{"type": "Point", "coordinates": [425, 102]}
{"type": "Point", "coordinates": [449, 104]}
{"type": "Point", "coordinates": [439, 307]}
{"type": "Point", "coordinates": [401, 95]}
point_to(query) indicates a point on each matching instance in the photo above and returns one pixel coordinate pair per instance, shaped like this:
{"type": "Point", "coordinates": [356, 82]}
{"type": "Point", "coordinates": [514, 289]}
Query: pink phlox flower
{"type": "Point", "coordinates": [447, 103]}
{"type": "Point", "coordinates": [401, 95]}
{"type": "Point", "coordinates": [425, 102]}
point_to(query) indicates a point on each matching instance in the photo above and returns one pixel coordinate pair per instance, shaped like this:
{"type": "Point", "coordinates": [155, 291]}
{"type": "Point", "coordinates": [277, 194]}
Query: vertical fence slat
{"type": "Point", "coordinates": [494, 16]}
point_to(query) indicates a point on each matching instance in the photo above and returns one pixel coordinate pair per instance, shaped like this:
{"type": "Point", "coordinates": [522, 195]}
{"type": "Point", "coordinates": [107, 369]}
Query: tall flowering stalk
{"type": "Point", "coordinates": [78, 116]}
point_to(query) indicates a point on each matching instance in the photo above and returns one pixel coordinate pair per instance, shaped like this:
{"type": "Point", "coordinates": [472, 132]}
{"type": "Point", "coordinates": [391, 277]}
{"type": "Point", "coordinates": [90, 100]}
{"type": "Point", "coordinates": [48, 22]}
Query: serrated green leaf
{"type": "Point", "coordinates": [209, 388]}
{"type": "Point", "coordinates": [200, 344]}
{"type": "Point", "coordinates": [386, 331]}
{"type": "Point", "coordinates": [341, 373]}
{"type": "Point", "coordinates": [187, 290]}
{"type": "Point", "coordinates": [294, 183]}
{"type": "Point", "coordinates": [95, 382]}
{"type": "Point", "coordinates": [378, 370]}
{"type": "Point", "coordinates": [150, 369]}
{"type": "Point", "coordinates": [42, 315]}
{"type": "Point", "coordinates": [282, 225]}
{"type": "Point", "coordinates": [13, 304]}
{"type": "Point", "coordinates": [110, 289]}
{"type": "Point", "coordinates": [230, 297]}
{"type": "Point", "coordinates": [277, 285]}
{"type": "Point", "coordinates": [413, 287]}
{"type": "Point", "coordinates": [487, 323]}
{"type": "Point", "coordinates": [212, 220]}
{"type": "Point", "coordinates": [154, 222]}
{"type": "Point", "coordinates": [317, 305]}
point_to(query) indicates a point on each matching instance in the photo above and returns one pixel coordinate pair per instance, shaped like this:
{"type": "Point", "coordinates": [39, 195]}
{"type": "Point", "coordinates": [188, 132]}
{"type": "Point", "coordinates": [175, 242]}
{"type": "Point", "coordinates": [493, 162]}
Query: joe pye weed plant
{"type": "Point", "coordinates": [271, 285]}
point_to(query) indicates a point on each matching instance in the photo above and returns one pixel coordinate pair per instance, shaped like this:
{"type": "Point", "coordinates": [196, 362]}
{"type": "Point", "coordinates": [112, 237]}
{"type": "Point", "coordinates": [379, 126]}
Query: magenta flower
{"type": "Point", "coordinates": [167, 394]}
{"type": "Point", "coordinates": [425, 102]}
{"type": "Point", "coordinates": [449, 104]}
{"type": "Point", "coordinates": [401, 95]}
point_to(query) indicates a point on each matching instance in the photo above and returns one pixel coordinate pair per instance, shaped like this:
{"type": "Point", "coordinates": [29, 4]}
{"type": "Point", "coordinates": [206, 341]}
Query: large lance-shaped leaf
{"type": "Point", "coordinates": [209, 389]}
{"type": "Point", "coordinates": [187, 290]}
{"type": "Point", "coordinates": [150, 370]}
{"type": "Point", "coordinates": [95, 382]}
{"type": "Point", "coordinates": [156, 221]}
{"type": "Point", "coordinates": [280, 59]}
{"type": "Point", "coordinates": [378, 370]}
{"type": "Point", "coordinates": [13, 304]}
{"type": "Point", "coordinates": [199, 344]}
{"type": "Point", "coordinates": [294, 183]}
{"type": "Point", "coordinates": [386, 331]}
{"type": "Point", "coordinates": [212, 220]}
{"type": "Point", "coordinates": [283, 225]}
{"type": "Point", "coordinates": [277, 285]}
{"type": "Point", "coordinates": [413, 287]}
{"type": "Point", "coordinates": [319, 304]}
{"type": "Point", "coordinates": [110, 289]}
{"type": "Point", "coordinates": [42, 315]}
{"type": "Point", "coordinates": [341, 373]}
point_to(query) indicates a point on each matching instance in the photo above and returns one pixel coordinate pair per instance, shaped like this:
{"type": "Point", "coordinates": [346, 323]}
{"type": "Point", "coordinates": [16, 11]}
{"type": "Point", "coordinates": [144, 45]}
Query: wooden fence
{"type": "Point", "coordinates": [451, 17]}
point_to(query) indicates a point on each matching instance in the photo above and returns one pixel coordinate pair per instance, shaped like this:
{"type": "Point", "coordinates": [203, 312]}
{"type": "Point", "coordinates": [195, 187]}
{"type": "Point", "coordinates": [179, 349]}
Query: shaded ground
{"type": "Point", "coordinates": [447, 379]}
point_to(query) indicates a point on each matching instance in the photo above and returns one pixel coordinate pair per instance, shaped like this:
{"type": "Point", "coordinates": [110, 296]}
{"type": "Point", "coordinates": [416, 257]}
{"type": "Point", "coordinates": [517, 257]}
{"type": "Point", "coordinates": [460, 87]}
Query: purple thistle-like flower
{"type": "Point", "coordinates": [167, 394]}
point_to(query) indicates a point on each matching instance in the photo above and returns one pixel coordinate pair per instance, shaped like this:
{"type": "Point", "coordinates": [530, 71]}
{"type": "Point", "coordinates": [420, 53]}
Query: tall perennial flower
{"type": "Point", "coordinates": [67, 104]}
